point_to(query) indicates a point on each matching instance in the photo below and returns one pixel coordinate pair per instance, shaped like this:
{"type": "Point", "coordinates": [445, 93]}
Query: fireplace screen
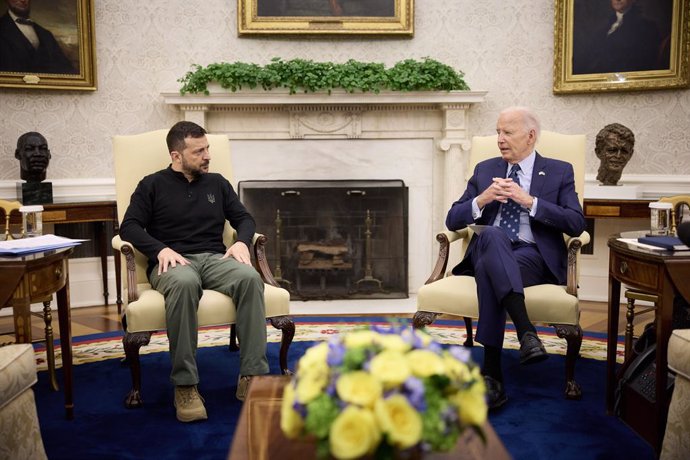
{"type": "Point", "coordinates": [333, 239]}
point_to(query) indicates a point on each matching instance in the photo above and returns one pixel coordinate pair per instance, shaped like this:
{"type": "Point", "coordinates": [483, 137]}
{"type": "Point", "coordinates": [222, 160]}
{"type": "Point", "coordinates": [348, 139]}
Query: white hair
{"type": "Point", "coordinates": [530, 118]}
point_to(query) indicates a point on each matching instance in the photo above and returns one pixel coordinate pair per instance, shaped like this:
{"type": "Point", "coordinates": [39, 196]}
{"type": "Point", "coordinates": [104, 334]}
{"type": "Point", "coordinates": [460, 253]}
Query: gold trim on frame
{"type": "Point", "coordinates": [250, 23]}
{"type": "Point", "coordinates": [84, 79]}
{"type": "Point", "coordinates": [675, 76]}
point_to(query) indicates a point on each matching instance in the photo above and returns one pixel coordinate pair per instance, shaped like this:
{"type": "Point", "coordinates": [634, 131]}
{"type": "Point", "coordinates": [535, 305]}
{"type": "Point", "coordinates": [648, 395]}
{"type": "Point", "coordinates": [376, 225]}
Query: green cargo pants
{"type": "Point", "coordinates": [182, 288]}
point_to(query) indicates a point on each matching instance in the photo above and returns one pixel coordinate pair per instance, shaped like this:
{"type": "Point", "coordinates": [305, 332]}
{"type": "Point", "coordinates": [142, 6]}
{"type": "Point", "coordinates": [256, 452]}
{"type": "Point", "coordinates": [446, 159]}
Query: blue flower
{"type": "Point", "coordinates": [301, 409]}
{"type": "Point", "coordinates": [435, 347]}
{"type": "Point", "coordinates": [336, 353]}
{"type": "Point", "coordinates": [462, 354]}
{"type": "Point", "coordinates": [413, 388]}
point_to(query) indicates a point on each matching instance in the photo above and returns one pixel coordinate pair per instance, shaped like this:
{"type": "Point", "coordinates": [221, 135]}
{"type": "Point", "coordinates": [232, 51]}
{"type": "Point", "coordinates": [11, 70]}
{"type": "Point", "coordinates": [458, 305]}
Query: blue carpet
{"type": "Point", "coordinates": [537, 422]}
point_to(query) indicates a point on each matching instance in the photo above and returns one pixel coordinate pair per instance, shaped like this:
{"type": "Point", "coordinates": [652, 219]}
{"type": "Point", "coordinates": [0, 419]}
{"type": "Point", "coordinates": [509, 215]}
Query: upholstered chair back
{"type": "Point", "coordinates": [139, 155]}
{"type": "Point", "coordinates": [566, 147]}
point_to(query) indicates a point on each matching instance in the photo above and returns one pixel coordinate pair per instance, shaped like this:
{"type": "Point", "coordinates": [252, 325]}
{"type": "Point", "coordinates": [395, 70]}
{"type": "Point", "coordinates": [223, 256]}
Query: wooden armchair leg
{"type": "Point", "coordinates": [423, 318]}
{"type": "Point", "coordinates": [573, 336]}
{"type": "Point", "coordinates": [132, 342]}
{"type": "Point", "coordinates": [469, 342]}
{"type": "Point", "coordinates": [233, 339]}
{"type": "Point", "coordinates": [287, 326]}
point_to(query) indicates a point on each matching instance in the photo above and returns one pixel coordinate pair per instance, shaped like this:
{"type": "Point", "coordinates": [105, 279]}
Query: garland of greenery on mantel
{"type": "Point", "coordinates": [308, 76]}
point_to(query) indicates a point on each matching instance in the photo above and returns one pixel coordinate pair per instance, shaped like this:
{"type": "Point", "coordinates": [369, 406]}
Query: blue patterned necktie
{"type": "Point", "coordinates": [510, 211]}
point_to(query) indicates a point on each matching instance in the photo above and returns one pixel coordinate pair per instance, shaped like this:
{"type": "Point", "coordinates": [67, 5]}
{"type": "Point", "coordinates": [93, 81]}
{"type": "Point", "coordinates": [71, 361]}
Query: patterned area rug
{"type": "Point", "coordinates": [100, 347]}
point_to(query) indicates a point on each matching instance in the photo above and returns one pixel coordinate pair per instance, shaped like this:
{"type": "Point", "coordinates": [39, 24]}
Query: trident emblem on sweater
{"type": "Point", "coordinates": [211, 198]}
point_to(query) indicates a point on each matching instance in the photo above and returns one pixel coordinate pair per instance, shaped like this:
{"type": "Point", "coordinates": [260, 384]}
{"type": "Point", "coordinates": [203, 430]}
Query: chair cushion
{"type": "Point", "coordinates": [17, 371]}
{"type": "Point", "coordinates": [148, 312]}
{"type": "Point", "coordinates": [457, 295]}
{"type": "Point", "coordinates": [679, 352]}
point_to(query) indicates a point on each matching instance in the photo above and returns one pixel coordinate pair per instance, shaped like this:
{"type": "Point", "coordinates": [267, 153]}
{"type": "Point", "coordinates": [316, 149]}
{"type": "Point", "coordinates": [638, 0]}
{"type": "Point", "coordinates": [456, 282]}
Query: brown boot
{"type": "Point", "coordinates": [243, 386]}
{"type": "Point", "coordinates": [189, 404]}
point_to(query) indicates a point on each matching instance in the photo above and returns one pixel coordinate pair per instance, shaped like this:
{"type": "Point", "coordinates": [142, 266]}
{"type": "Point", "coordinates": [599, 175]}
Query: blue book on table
{"type": "Point", "coordinates": [671, 243]}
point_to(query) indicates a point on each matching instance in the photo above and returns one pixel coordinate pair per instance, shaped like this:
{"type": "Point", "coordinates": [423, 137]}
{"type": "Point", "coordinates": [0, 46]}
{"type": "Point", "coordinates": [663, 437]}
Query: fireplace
{"type": "Point", "coordinates": [333, 239]}
{"type": "Point", "coordinates": [421, 138]}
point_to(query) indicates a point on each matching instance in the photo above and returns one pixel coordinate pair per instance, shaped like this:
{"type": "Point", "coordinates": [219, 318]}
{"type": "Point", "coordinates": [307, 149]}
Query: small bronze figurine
{"type": "Point", "coordinates": [33, 155]}
{"type": "Point", "coordinates": [614, 146]}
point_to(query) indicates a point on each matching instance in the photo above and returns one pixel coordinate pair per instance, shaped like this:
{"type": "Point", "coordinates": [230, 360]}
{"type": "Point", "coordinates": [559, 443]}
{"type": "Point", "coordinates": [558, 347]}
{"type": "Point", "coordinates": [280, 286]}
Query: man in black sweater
{"type": "Point", "coordinates": [176, 218]}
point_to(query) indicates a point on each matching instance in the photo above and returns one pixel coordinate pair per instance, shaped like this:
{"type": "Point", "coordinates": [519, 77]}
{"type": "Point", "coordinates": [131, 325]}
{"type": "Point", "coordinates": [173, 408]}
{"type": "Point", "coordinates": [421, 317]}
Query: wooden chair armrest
{"type": "Point", "coordinates": [582, 239]}
{"type": "Point", "coordinates": [574, 244]}
{"type": "Point", "coordinates": [127, 249]}
{"type": "Point", "coordinates": [445, 238]}
{"type": "Point", "coordinates": [259, 242]}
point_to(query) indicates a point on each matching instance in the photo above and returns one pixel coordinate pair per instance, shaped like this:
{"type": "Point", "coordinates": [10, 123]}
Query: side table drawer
{"type": "Point", "coordinates": [48, 279]}
{"type": "Point", "coordinates": [634, 272]}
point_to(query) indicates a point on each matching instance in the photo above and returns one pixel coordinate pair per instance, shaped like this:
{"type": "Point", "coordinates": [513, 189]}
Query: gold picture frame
{"type": "Point", "coordinates": [325, 17]}
{"type": "Point", "coordinates": [587, 59]}
{"type": "Point", "coordinates": [62, 55]}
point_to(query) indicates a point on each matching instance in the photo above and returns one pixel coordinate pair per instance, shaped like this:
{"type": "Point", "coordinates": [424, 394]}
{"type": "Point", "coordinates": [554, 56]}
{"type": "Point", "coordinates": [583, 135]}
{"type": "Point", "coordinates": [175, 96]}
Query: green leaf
{"type": "Point", "coordinates": [320, 415]}
{"type": "Point", "coordinates": [309, 76]}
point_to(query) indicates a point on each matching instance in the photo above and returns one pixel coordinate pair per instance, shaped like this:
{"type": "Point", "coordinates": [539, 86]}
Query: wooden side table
{"type": "Point", "coordinates": [663, 274]}
{"type": "Point", "coordinates": [98, 213]}
{"type": "Point", "coordinates": [258, 434]}
{"type": "Point", "coordinates": [616, 208]}
{"type": "Point", "coordinates": [34, 278]}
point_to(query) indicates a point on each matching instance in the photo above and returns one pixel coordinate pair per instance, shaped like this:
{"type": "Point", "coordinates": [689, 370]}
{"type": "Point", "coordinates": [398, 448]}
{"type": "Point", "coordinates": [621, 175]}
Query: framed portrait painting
{"type": "Point", "coordinates": [620, 45]}
{"type": "Point", "coordinates": [47, 44]}
{"type": "Point", "coordinates": [325, 17]}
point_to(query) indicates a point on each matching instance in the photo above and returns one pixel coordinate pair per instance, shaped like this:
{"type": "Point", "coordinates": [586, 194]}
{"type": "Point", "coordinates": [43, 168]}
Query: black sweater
{"type": "Point", "coordinates": [166, 210]}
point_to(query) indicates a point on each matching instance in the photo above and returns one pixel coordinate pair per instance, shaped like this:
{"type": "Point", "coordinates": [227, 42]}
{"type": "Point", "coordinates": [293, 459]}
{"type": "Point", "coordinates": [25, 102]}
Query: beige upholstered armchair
{"type": "Point", "coordinates": [546, 303]}
{"type": "Point", "coordinates": [135, 157]}
{"type": "Point", "coordinates": [20, 436]}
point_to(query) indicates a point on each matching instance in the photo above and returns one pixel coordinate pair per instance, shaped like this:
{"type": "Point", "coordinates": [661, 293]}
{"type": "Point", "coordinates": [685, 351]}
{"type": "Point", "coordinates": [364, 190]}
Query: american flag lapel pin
{"type": "Point", "coordinates": [542, 173]}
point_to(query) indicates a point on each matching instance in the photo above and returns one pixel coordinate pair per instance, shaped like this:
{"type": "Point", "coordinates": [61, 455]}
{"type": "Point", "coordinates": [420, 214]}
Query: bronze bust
{"type": "Point", "coordinates": [614, 146]}
{"type": "Point", "coordinates": [33, 155]}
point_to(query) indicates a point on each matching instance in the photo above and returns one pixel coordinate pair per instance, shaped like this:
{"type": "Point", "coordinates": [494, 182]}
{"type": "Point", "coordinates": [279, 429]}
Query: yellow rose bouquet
{"type": "Point", "coordinates": [376, 391]}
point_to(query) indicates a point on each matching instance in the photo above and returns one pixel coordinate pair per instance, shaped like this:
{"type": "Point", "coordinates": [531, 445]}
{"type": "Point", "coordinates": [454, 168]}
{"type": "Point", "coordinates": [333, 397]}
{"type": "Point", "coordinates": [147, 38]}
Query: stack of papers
{"type": "Point", "coordinates": [36, 244]}
{"type": "Point", "coordinates": [635, 242]}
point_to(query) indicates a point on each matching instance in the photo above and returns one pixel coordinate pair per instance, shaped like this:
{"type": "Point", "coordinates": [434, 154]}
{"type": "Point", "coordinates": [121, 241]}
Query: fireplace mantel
{"type": "Point", "coordinates": [440, 116]}
{"type": "Point", "coordinates": [243, 98]}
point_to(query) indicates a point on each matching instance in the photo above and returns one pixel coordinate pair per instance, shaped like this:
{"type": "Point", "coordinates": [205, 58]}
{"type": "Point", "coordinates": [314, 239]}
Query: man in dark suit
{"type": "Point", "coordinates": [627, 42]}
{"type": "Point", "coordinates": [526, 202]}
{"type": "Point", "coordinates": [26, 47]}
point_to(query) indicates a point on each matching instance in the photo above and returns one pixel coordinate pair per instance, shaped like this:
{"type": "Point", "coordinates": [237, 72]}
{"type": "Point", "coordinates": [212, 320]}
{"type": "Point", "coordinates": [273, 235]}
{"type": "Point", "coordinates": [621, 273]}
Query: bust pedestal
{"type": "Point", "coordinates": [29, 193]}
{"type": "Point", "coordinates": [618, 192]}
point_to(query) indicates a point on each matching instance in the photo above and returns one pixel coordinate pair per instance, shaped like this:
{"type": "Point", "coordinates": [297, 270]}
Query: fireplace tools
{"type": "Point", "coordinates": [368, 272]}
{"type": "Point", "coordinates": [278, 271]}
